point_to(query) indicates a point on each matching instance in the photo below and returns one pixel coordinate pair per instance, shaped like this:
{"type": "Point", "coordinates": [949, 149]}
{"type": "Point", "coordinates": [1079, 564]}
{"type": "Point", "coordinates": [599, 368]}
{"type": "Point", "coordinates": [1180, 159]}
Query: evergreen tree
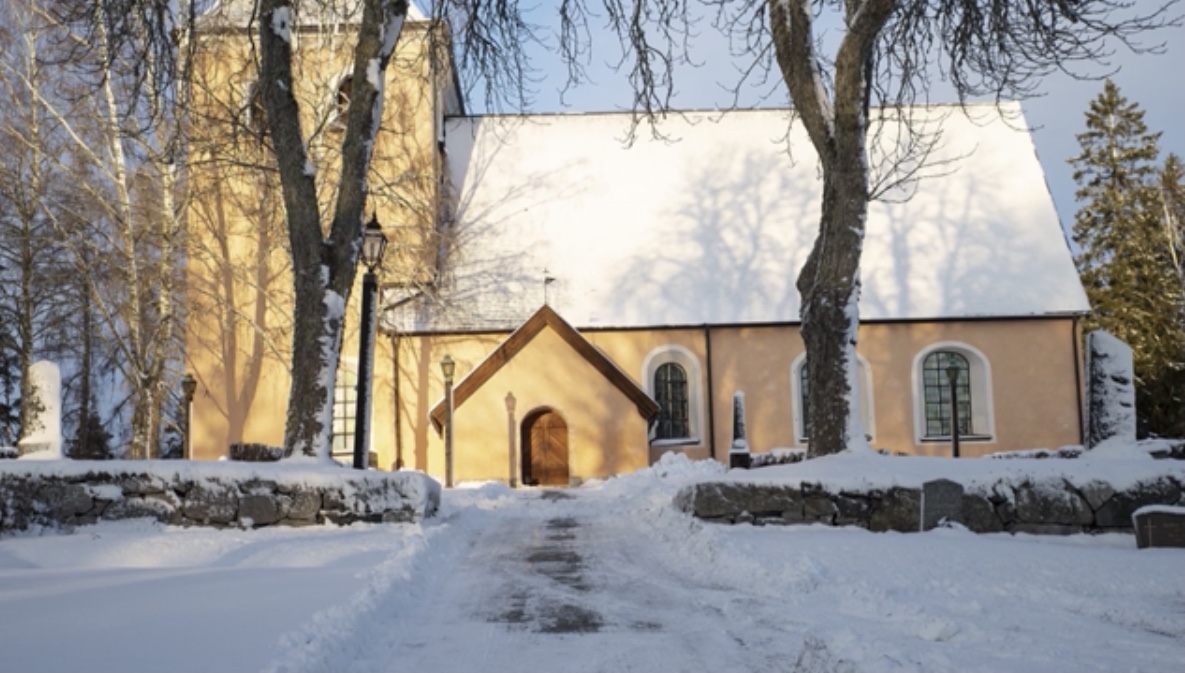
{"type": "Point", "coordinates": [91, 441]}
{"type": "Point", "coordinates": [10, 400]}
{"type": "Point", "coordinates": [1126, 263]}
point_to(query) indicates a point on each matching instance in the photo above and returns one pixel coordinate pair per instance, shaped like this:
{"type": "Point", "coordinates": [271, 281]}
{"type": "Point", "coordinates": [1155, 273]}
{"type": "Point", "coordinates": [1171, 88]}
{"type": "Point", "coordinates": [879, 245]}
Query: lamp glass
{"type": "Point", "coordinates": [374, 243]}
{"type": "Point", "coordinates": [952, 372]}
{"type": "Point", "coordinates": [448, 367]}
{"type": "Point", "coordinates": [188, 385]}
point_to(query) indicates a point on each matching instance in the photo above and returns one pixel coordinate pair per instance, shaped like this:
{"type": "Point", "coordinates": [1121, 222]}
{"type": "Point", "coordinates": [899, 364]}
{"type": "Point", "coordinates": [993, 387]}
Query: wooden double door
{"type": "Point", "coordinates": [545, 449]}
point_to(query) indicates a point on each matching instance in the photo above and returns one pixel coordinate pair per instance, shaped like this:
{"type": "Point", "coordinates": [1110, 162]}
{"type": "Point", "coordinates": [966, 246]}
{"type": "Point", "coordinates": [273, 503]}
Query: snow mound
{"type": "Point", "coordinates": [671, 468]}
{"type": "Point", "coordinates": [678, 466]}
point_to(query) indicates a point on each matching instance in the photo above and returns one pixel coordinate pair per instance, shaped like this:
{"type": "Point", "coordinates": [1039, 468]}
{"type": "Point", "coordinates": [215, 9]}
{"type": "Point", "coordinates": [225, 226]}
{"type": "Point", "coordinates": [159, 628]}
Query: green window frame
{"type": "Point", "coordinates": [936, 393]}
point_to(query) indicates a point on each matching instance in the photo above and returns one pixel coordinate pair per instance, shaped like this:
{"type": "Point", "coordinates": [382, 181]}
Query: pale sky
{"type": "Point", "coordinates": [1155, 82]}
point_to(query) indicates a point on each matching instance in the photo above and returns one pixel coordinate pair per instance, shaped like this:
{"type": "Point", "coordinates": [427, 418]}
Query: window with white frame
{"type": "Point", "coordinates": [935, 403]}
{"type": "Point", "coordinates": [345, 406]}
{"type": "Point", "coordinates": [800, 394]}
{"type": "Point", "coordinates": [672, 378]}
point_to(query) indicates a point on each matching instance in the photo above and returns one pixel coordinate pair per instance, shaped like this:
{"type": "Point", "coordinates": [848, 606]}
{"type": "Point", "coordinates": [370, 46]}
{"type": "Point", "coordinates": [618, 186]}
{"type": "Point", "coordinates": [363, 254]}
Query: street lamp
{"type": "Point", "coordinates": [374, 243]}
{"type": "Point", "coordinates": [952, 374]}
{"type": "Point", "coordinates": [448, 368]}
{"type": "Point", "coordinates": [188, 388]}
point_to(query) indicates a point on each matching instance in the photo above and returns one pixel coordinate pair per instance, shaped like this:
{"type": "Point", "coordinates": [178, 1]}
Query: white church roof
{"type": "Point", "coordinates": [713, 224]}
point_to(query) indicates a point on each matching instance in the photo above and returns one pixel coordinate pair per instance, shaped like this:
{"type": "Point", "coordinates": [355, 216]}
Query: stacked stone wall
{"type": "Point", "coordinates": [236, 499]}
{"type": "Point", "coordinates": [1039, 507]}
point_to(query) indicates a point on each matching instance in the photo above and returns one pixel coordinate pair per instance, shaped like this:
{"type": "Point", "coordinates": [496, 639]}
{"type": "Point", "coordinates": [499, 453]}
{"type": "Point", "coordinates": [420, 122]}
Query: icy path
{"type": "Point", "coordinates": [595, 580]}
{"type": "Point", "coordinates": [552, 583]}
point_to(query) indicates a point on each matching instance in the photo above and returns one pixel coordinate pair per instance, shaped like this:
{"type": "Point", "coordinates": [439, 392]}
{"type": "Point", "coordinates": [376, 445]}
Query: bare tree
{"type": "Point", "coordinates": [883, 53]}
{"type": "Point", "coordinates": [122, 146]}
{"type": "Point", "coordinates": [993, 48]}
{"type": "Point", "coordinates": [323, 266]}
{"type": "Point", "coordinates": [31, 300]}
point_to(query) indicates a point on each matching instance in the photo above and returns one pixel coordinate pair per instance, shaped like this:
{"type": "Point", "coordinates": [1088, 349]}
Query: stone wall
{"type": "Point", "coordinates": [1040, 507]}
{"type": "Point", "coordinates": [65, 494]}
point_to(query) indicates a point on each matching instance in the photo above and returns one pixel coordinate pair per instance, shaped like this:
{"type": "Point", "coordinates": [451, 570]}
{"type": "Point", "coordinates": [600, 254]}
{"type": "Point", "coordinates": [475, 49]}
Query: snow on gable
{"type": "Point", "coordinates": [712, 225]}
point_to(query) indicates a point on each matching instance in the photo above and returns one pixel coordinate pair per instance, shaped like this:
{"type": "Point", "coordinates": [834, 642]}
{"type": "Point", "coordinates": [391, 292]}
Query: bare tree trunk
{"type": "Point", "coordinates": [829, 282]}
{"type": "Point", "coordinates": [323, 268]}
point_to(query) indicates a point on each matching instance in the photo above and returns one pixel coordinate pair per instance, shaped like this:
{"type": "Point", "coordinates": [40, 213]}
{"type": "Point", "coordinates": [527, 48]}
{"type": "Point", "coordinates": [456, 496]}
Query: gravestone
{"type": "Point", "coordinates": [1111, 393]}
{"type": "Point", "coordinates": [1159, 526]}
{"type": "Point", "coordinates": [45, 441]}
{"type": "Point", "coordinates": [941, 499]}
{"type": "Point", "coordinates": [738, 451]}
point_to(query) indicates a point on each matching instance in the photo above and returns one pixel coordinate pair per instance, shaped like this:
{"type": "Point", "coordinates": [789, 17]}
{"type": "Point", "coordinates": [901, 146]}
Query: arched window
{"type": "Point", "coordinates": [932, 398]}
{"type": "Point", "coordinates": [673, 379]}
{"type": "Point", "coordinates": [670, 391]}
{"type": "Point", "coordinates": [937, 370]}
{"type": "Point", "coordinates": [800, 394]}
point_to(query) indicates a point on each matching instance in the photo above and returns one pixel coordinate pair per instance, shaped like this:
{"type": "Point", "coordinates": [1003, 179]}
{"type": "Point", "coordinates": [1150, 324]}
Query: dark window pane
{"type": "Point", "coordinates": [670, 389]}
{"type": "Point", "coordinates": [937, 388]}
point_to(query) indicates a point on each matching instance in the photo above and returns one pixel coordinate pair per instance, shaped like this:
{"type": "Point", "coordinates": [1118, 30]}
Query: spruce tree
{"type": "Point", "coordinates": [1125, 260]}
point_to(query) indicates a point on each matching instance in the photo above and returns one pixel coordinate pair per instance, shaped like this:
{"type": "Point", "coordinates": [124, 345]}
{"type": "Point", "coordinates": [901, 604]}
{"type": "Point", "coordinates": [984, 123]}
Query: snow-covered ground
{"type": "Point", "coordinates": [604, 577]}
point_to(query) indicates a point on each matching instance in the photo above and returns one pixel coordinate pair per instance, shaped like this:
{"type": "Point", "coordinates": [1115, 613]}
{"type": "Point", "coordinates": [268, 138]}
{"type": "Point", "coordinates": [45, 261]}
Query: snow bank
{"type": "Point", "coordinates": [878, 472]}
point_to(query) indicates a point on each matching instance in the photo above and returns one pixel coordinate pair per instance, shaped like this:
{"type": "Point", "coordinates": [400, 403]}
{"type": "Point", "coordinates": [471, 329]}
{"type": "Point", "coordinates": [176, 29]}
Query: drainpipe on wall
{"type": "Point", "coordinates": [711, 394]}
{"type": "Point", "coordinates": [1074, 338]}
{"type": "Point", "coordinates": [395, 370]}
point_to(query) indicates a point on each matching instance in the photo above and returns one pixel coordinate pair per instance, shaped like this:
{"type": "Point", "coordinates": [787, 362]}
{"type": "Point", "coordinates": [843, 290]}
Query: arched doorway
{"type": "Point", "coordinates": [545, 449]}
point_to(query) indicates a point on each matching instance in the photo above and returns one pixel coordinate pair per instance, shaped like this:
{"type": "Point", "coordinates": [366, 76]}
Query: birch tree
{"type": "Point", "coordinates": [37, 281]}
{"type": "Point", "coordinates": [123, 147]}
{"type": "Point", "coordinates": [1172, 195]}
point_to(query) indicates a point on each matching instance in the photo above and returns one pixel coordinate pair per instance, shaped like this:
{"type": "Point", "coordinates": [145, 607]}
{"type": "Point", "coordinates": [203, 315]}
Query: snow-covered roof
{"type": "Point", "coordinates": [713, 223]}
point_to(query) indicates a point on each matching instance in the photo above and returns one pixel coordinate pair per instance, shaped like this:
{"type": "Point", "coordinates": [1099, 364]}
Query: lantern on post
{"type": "Point", "coordinates": [952, 374]}
{"type": "Point", "coordinates": [374, 244]}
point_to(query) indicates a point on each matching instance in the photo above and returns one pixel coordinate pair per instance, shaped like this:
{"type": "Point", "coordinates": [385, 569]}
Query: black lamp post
{"type": "Point", "coordinates": [448, 368]}
{"type": "Point", "coordinates": [952, 373]}
{"type": "Point", "coordinates": [188, 388]}
{"type": "Point", "coordinates": [374, 243]}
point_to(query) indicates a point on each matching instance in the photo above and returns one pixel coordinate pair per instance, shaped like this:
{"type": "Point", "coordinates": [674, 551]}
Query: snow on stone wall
{"type": "Point", "coordinates": [1110, 393]}
{"type": "Point", "coordinates": [65, 494]}
{"type": "Point", "coordinates": [1039, 506]}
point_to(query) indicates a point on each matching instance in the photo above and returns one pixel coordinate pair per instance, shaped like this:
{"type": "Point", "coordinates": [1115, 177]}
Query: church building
{"type": "Point", "coordinates": [601, 301]}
